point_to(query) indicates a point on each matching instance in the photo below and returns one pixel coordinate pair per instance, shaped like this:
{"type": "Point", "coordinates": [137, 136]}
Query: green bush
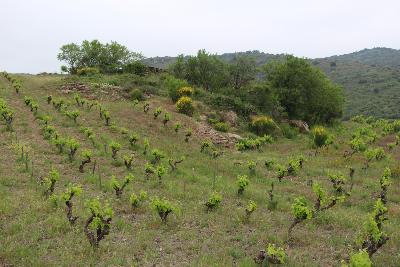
{"type": "Point", "coordinates": [185, 91]}
{"type": "Point", "coordinates": [173, 84]}
{"type": "Point", "coordinates": [137, 200]}
{"type": "Point", "coordinates": [221, 126]}
{"type": "Point", "coordinates": [213, 201]}
{"type": "Point", "coordinates": [262, 125]}
{"type": "Point", "coordinates": [242, 182]}
{"type": "Point", "coordinates": [87, 71]}
{"type": "Point", "coordinates": [360, 259]}
{"type": "Point", "coordinates": [136, 67]}
{"type": "Point", "coordinates": [185, 105]}
{"type": "Point", "coordinates": [136, 94]}
{"type": "Point", "coordinates": [320, 136]}
{"type": "Point", "coordinates": [163, 207]}
{"type": "Point", "coordinates": [288, 131]}
{"type": "Point", "coordinates": [251, 144]}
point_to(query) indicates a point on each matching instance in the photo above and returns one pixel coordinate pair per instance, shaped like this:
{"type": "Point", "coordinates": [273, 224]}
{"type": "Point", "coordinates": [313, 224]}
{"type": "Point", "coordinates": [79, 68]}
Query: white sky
{"type": "Point", "coordinates": [32, 31]}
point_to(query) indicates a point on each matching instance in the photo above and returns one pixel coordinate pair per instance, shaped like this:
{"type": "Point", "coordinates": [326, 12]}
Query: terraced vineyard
{"type": "Point", "coordinates": [87, 179]}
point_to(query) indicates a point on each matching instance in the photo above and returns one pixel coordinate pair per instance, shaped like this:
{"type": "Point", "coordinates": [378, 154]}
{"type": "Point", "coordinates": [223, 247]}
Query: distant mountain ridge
{"type": "Point", "coordinates": [379, 56]}
{"type": "Point", "coordinates": [370, 77]}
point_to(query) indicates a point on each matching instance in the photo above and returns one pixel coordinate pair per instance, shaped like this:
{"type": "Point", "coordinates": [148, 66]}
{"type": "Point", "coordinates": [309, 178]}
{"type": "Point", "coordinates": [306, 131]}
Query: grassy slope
{"type": "Point", "coordinates": [35, 233]}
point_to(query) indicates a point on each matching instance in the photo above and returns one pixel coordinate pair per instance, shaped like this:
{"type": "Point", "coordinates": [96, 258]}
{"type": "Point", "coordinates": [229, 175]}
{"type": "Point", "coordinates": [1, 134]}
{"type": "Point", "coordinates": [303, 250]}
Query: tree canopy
{"type": "Point", "coordinates": [108, 58]}
{"type": "Point", "coordinates": [304, 91]}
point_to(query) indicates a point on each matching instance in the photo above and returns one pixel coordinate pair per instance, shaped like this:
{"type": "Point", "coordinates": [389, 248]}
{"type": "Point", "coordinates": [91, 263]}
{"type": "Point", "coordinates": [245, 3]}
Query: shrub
{"type": "Point", "coordinates": [98, 224]}
{"type": "Point", "coordinates": [133, 138]}
{"type": "Point", "coordinates": [27, 100]}
{"type": "Point", "coordinates": [173, 85]}
{"type": "Point", "coordinates": [146, 145]}
{"type": "Point", "coordinates": [374, 153]}
{"type": "Point", "coordinates": [115, 147]}
{"type": "Point", "coordinates": [173, 163]}
{"type": "Point", "coordinates": [160, 170]}
{"type": "Point", "coordinates": [72, 114]}
{"type": "Point", "coordinates": [288, 131]}
{"type": "Point", "coordinates": [136, 94]}
{"type": "Point", "coordinates": [107, 117]}
{"type": "Point", "coordinates": [301, 211]}
{"type": "Point", "coordinates": [137, 200]}
{"type": "Point", "coordinates": [149, 169]}
{"type": "Point", "coordinates": [263, 125]}
{"type": "Point", "coordinates": [128, 160]}
{"type": "Point", "coordinates": [157, 112]}
{"type": "Point", "coordinates": [167, 118]}
{"type": "Point", "coordinates": [221, 126]}
{"type": "Point", "coordinates": [185, 91]}
{"type": "Point", "coordinates": [177, 126]}
{"type": "Point", "coordinates": [136, 67]}
{"type": "Point", "coordinates": [87, 71]}
{"type": "Point", "coordinates": [60, 143]}
{"type": "Point", "coordinates": [359, 119]}
{"type": "Point", "coordinates": [188, 134]}
{"type": "Point", "coordinates": [72, 190]}
{"type": "Point", "coordinates": [163, 207]}
{"type": "Point", "coordinates": [281, 171]}
{"type": "Point", "coordinates": [360, 259]}
{"type": "Point", "coordinates": [205, 145]}
{"type": "Point", "coordinates": [294, 165]}
{"type": "Point", "coordinates": [320, 136]}
{"type": "Point", "coordinates": [7, 115]}
{"type": "Point", "coordinates": [252, 144]}
{"type": "Point", "coordinates": [86, 158]}
{"type": "Point", "coordinates": [73, 146]}
{"type": "Point", "coordinates": [146, 107]}
{"type": "Point", "coordinates": [269, 164]}
{"type": "Point", "coordinates": [358, 144]}
{"type": "Point", "coordinates": [271, 255]}
{"type": "Point", "coordinates": [157, 156]}
{"type": "Point", "coordinates": [242, 182]}
{"type": "Point", "coordinates": [252, 166]}
{"type": "Point", "coordinates": [213, 201]}
{"type": "Point", "coordinates": [49, 131]}
{"type": "Point", "coordinates": [250, 208]}
{"type": "Point", "coordinates": [185, 105]}
{"type": "Point", "coordinates": [50, 181]}
{"type": "Point", "coordinates": [118, 187]}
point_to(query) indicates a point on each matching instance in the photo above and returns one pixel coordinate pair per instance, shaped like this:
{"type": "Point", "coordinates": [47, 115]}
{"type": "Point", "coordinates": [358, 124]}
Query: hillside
{"type": "Point", "coordinates": [35, 230]}
{"type": "Point", "coordinates": [369, 90]}
{"type": "Point", "coordinates": [370, 78]}
{"type": "Point", "coordinates": [375, 57]}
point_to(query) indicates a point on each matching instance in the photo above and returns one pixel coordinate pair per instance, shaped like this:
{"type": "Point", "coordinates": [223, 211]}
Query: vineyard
{"type": "Point", "coordinates": [87, 178]}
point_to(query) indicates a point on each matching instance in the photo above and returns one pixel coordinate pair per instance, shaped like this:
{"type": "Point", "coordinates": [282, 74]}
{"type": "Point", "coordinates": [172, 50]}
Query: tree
{"type": "Point", "coordinates": [242, 71]}
{"type": "Point", "coordinates": [304, 91]}
{"type": "Point", "coordinates": [72, 55]}
{"type": "Point", "coordinates": [178, 69]}
{"type": "Point", "coordinates": [108, 58]}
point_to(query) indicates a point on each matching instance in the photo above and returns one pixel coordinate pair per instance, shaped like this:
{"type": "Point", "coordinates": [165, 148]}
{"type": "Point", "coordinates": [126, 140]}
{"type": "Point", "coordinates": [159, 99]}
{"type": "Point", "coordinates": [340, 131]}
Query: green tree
{"type": "Point", "coordinates": [108, 58]}
{"type": "Point", "coordinates": [72, 55]}
{"type": "Point", "coordinates": [242, 71]}
{"type": "Point", "coordinates": [304, 91]}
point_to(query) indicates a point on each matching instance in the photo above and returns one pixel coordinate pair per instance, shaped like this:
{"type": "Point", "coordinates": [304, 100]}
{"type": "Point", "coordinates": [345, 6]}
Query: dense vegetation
{"type": "Point", "coordinates": [92, 57]}
{"type": "Point", "coordinates": [369, 77]}
{"type": "Point", "coordinates": [290, 88]}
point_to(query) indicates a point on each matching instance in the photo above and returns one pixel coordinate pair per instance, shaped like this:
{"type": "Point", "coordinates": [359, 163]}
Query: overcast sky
{"type": "Point", "coordinates": [31, 32]}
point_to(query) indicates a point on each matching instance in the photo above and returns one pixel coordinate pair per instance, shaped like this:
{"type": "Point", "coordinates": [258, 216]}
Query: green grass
{"type": "Point", "coordinates": [34, 232]}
